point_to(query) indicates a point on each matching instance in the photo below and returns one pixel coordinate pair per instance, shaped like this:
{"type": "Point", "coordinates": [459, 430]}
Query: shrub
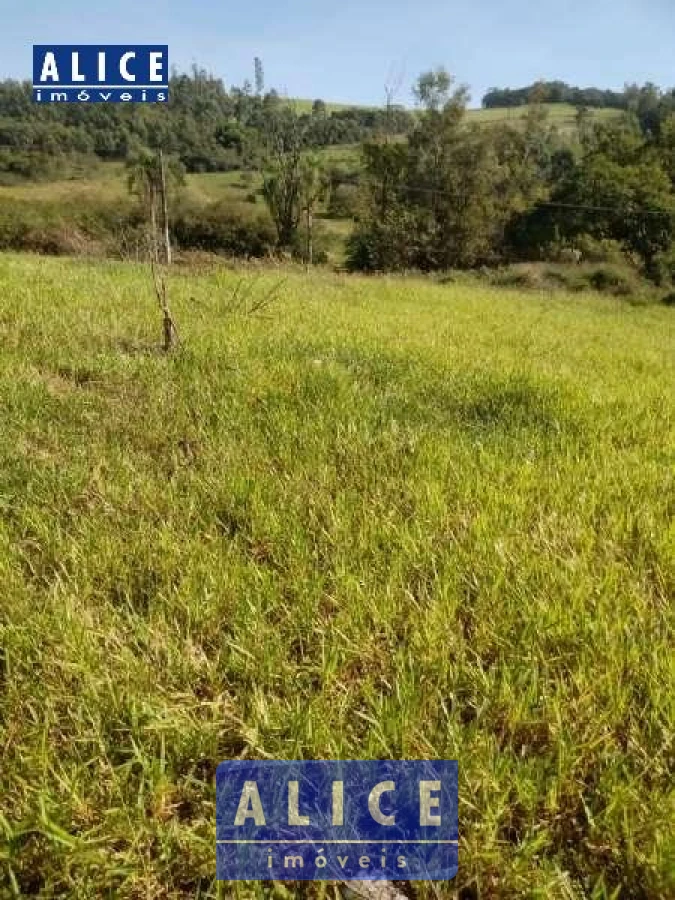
{"type": "Point", "coordinates": [320, 244]}
{"type": "Point", "coordinates": [612, 280]}
{"type": "Point", "coordinates": [344, 202]}
{"type": "Point", "coordinates": [618, 280]}
{"type": "Point", "coordinates": [521, 277]}
{"type": "Point", "coordinates": [223, 227]}
{"type": "Point", "coordinates": [567, 278]}
{"type": "Point", "coordinates": [361, 252]}
{"type": "Point", "coordinates": [63, 228]}
{"type": "Point", "coordinates": [596, 250]}
{"type": "Point", "coordinates": [17, 166]}
{"type": "Point", "coordinates": [664, 267]}
{"type": "Point", "coordinates": [62, 239]}
{"type": "Point", "coordinates": [119, 228]}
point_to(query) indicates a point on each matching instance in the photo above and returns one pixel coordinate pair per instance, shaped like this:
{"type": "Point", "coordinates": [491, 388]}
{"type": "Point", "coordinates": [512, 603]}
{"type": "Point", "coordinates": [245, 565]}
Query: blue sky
{"type": "Point", "coordinates": [348, 49]}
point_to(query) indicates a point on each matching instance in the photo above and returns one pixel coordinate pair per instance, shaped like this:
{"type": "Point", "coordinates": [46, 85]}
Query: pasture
{"type": "Point", "coordinates": [562, 115]}
{"type": "Point", "coordinates": [375, 518]}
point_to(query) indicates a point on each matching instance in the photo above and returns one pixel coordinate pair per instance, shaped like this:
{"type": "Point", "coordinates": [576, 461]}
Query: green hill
{"type": "Point", "coordinates": [561, 114]}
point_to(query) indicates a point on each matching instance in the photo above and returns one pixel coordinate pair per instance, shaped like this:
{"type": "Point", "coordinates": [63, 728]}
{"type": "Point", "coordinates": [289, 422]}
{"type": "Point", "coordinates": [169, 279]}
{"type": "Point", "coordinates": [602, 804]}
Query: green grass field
{"type": "Point", "coordinates": [381, 518]}
{"type": "Point", "coordinates": [562, 115]}
{"type": "Point", "coordinates": [108, 183]}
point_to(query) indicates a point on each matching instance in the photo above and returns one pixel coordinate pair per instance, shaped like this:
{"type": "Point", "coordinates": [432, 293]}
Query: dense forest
{"type": "Point", "coordinates": [433, 191]}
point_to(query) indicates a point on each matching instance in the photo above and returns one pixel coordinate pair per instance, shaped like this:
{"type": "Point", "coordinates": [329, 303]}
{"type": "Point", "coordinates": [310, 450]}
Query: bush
{"type": "Point", "coordinates": [17, 166]}
{"type": "Point", "coordinates": [63, 228]}
{"type": "Point", "coordinates": [393, 243]}
{"type": "Point", "coordinates": [119, 228]}
{"type": "Point", "coordinates": [320, 244]}
{"type": "Point", "coordinates": [223, 227]}
{"type": "Point", "coordinates": [522, 277]}
{"type": "Point", "coordinates": [361, 252]}
{"type": "Point", "coordinates": [595, 250]}
{"type": "Point", "coordinates": [612, 280]}
{"type": "Point", "coordinates": [344, 202]}
{"type": "Point", "coordinates": [621, 281]}
{"type": "Point", "coordinates": [664, 267]}
{"type": "Point", "coordinates": [566, 278]}
{"type": "Point", "coordinates": [61, 240]}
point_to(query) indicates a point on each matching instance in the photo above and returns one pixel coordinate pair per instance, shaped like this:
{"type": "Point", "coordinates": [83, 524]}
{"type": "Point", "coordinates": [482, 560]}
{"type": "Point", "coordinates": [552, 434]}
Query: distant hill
{"type": "Point", "coordinates": [562, 114]}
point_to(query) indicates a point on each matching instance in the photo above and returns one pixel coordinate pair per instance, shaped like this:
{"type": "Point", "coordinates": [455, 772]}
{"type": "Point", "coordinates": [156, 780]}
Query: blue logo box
{"type": "Point", "coordinates": [339, 820]}
{"type": "Point", "coordinates": [106, 73]}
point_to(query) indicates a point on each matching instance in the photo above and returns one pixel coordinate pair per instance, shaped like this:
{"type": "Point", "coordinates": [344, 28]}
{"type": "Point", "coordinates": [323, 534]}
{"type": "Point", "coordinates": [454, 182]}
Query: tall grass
{"type": "Point", "coordinates": [384, 519]}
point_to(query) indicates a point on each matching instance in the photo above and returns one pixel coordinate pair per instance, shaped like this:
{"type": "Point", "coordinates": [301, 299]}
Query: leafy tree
{"type": "Point", "coordinates": [295, 181]}
{"type": "Point", "coordinates": [667, 147]}
{"type": "Point", "coordinates": [432, 90]}
{"type": "Point", "coordinates": [618, 190]}
{"type": "Point", "coordinates": [444, 198]}
{"type": "Point", "coordinates": [319, 109]}
{"type": "Point", "coordinates": [629, 203]}
{"type": "Point", "coordinates": [196, 125]}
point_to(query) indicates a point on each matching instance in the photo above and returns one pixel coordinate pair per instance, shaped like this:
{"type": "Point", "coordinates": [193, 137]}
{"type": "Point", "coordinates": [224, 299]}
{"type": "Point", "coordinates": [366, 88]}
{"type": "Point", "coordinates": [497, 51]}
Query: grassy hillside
{"type": "Point", "coordinates": [561, 114]}
{"type": "Point", "coordinates": [385, 518]}
{"type": "Point", "coordinates": [105, 187]}
{"type": "Point", "coordinates": [108, 182]}
{"type": "Point", "coordinates": [564, 113]}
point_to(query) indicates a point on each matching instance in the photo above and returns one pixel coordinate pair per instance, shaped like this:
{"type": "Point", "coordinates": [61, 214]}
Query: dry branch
{"type": "Point", "coordinates": [169, 329]}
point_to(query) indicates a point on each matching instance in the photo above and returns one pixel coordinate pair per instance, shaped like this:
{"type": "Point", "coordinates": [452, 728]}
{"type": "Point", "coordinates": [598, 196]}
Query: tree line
{"type": "Point", "coordinates": [207, 127]}
{"type": "Point", "coordinates": [645, 100]}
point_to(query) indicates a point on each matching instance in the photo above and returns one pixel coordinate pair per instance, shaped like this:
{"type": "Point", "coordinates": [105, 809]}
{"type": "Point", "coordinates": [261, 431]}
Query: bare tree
{"type": "Point", "coordinates": [314, 186]}
{"type": "Point", "coordinates": [169, 330]}
{"type": "Point", "coordinates": [147, 177]}
{"type": "Point", "coordinates": [392, 86]}
{"type": "Point", "coordinates": [282, 184]}
{"type": "Point", "coordinates": [165, 209]}
{"type": "Point", "coordinates": [150, 177]}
